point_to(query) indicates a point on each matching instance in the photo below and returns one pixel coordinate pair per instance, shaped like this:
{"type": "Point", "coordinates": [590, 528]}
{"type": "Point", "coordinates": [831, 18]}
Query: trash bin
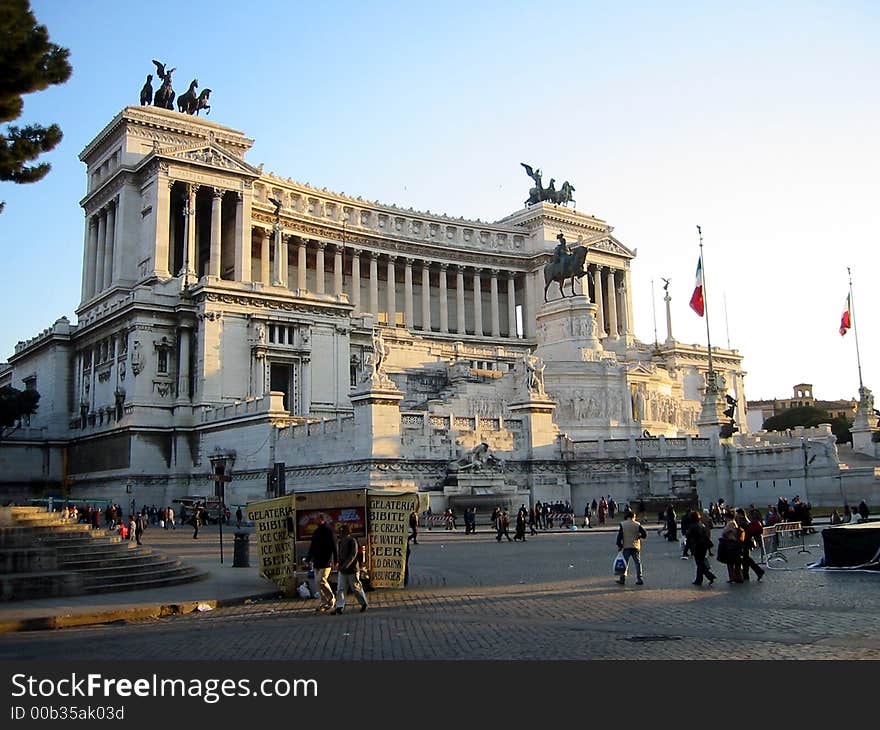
{"type": "Point", "coordinates": [241, 550]}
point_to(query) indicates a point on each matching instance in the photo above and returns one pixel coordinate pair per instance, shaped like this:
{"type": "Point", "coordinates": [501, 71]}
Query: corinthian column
{"type": "Point", "coordinates": [408, 295]}
{"type": "Point", "coordinates": [337, 270]}
{"type": "Point", "coordinates": [110, 249]}
{"type": "Point", "coordinates": [426, 297]}
{"type": "Point", "coordinates": [319, 268]}
{"type": "Point", "coordinates": [478, 303]}
{"type": "Point", "coordinates": [101, 252]}
{"type": "Point", "coordinates": [493, 298]}
{"type": "Point", "coordinates": [216, 210]}
{"type": "Point", "coordinates": [356, 279]}
{"type": "Point", "coordinates": [183, 370]}
{"type": "Point", "coordinates": [511, 304]}
{"type": "Point", "coordinates": [190, 215]}
{"type": "Point", "coordinates": [459, 301]}
{"type": "Point", "coordinates": [301, 281]}
{"type": "Point", "coordinates": [264, 256]}
{"type": "Point", "coordinates": [89, 254]}
{"type": "Point", "coordinates": [612, 306]}
{"type": "Point", "coordinates": [597, 288]}
{"type": "Point", "coordinates": [374, 284]}
{"type": "Point", "coordinates": [627, 284]}
{"type": "Point", "coordinates": [444, 300]}
{"type": "Point", "coordinates": [391, 294]}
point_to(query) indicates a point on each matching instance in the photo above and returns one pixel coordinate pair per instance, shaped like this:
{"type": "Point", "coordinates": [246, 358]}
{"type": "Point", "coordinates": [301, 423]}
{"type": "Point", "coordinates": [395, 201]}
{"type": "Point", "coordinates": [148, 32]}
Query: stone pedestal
{"type": "Point", "coordinates": [539, 431]}
{"type": "Point", "coordinates": [864, 427]}
{"type": "Point", "coordinates": [377, 419]}
{"type": "Point", "coordinates": [712, 415]}
{"type": "Point", "coordinates": [565, 328]}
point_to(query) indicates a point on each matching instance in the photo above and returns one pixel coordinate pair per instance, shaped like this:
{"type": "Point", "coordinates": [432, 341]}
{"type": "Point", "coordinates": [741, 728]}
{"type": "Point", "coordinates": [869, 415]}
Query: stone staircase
{"type": "Point", "coordinates": [42, 556]}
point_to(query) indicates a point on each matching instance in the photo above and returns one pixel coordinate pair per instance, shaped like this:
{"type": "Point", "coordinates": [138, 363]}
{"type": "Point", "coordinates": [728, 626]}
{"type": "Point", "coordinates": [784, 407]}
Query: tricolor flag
{"type": "Point", "coordinates": [697, 301]}
{"type": "Point", "coordinates": [846, 318]}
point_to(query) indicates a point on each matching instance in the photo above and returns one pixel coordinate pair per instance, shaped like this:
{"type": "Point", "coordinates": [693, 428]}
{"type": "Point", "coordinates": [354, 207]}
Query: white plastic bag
{"type": "Point", "coordinates": [620, 564]}
{"type": "Point", "coordinates": [304, 591]}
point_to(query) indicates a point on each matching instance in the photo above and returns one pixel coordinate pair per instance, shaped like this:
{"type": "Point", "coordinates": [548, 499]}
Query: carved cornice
{"type": "Point", "coordinates": [330, 309]}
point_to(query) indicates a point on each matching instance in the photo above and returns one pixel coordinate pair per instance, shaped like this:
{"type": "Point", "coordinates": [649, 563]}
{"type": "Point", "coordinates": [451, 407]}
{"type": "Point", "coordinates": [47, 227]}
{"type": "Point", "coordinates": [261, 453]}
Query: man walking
{"type": "Point", "coordinates": [349, 570]}
{"type": "Point", "coordinates": [629, 540]}
{"type": "Point", "coordinates": [322, 555]}
{"type": "Point", "coordinates": [699, 540]}
{"type": "Point", "coordinates": [413, 526]}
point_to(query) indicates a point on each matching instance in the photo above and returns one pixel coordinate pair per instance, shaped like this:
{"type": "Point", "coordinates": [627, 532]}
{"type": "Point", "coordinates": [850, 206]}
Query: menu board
{"type": "Point", "coordinates": [273, 525]}
{"type": "Point", "coordinates": [389, 527]}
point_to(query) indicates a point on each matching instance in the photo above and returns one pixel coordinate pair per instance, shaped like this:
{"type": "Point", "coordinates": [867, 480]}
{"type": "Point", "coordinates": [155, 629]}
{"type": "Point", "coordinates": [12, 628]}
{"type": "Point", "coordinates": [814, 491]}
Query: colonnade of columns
{"type": "Point", "coordinates": [101, 251]}
{"type": "Point", "coordinates": [397, 304]}
{"type": "Point", "coordinates": [611, 291]}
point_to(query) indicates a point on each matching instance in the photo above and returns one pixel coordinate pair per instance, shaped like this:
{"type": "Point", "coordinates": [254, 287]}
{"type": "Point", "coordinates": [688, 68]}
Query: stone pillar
{"type": "Point", "coordinates": [668, 299]}
{"type": "Point", "coordinates": [444, 300]}
{"type": "Point", "coordinates": [337, 270]}
{"type": "Point", "coordinates": [621, 308]}
{"type": "Point", "coordinates": [110, 249]}
{"type": "Point", "coordinates": [277, 271]}
{"type": "Point", "coordinates": [459, 301]}
{"type": "Point", "coordinates": [183, 368]}
{"type": "Point", "coordinates": [511, 304]}
{"type": "Point", "coordinates": [493, 296]}
{"type": "Point", "coordinates": [301, 281]}
{"type": "Point", "coordinates": [89, 258]}
{"type": "Point", "coordinates": [242, 242]}
{"type": "Point", "coordinates": [162, 238]}
{"type": "Point", "coordinates": [611, 295]}
{"type": "Point", "coordinates": [101, 252]}
{"type": "Point", "coordinates": [264, 256]}
{"type": "Point", "coordinates": [374, 284]}
{"type": "Point", "coordinates": [377, 413]}
{"type": "Point", "coordinates": [356, 279]}
{"type": "Point", "coordinates": [600, 307]}
{"type": "Point", "coordinates": [391, 294]}
{"type": "Point", "coordinates": [408, 295]}
{"type": "Point", "coordinates": [426, 297]}
{"type": "Point", "coordinates": [305, 372]}
{"type": "Point", "coordinates": [216, 233]}
{"type": "Point", "coordinates": [319, 267]}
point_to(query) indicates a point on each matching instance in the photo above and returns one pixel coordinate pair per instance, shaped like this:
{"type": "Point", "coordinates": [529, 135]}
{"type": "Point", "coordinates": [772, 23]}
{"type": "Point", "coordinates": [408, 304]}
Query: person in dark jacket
{"type": "Point", "coordinates": [323, 556]}
{"type": "Point", "coordinates": [671, 529]}
{"type": "Point", "coordinates": [349, 570]}
{"type": "Point", "coordinates": [699, 541]}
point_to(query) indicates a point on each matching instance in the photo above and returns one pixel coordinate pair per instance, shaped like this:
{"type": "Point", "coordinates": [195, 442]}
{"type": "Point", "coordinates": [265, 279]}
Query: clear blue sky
{"type": "Point", "coordinates": [757, 121]}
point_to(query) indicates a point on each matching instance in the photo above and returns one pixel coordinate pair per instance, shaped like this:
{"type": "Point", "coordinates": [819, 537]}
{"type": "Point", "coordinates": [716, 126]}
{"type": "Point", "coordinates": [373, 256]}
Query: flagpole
{"type": "Point", "coordinates": [712, 382]}
{"type": "Point", "coordinates": [852, 308]}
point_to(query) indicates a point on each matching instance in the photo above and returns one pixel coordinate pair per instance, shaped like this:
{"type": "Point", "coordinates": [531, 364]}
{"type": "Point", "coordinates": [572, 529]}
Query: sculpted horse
{"type": "Point", "coordinates": [569, 266]}
{"type": "Point", "coordinates": [202, 102]}
{"type": "Point", "coordinates": [562, 196]}
{"type": "Point", "coordinates": [186, 102]}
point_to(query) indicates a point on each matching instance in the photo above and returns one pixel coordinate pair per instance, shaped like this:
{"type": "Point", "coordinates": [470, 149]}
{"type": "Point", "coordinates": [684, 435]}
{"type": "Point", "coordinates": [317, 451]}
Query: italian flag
{"type": "Point", "coordinates": [697, 302]}
{"type": "Point", "coordinates": [846, 318]}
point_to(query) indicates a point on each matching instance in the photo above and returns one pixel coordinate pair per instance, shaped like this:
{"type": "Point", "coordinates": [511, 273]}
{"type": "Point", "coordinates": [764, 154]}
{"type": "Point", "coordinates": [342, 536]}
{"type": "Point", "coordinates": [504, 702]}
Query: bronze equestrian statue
{"type": "Point", "coordinates": [564, 266]}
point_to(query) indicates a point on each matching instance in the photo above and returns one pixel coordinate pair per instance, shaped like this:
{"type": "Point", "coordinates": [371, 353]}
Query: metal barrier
{"type": "Point", "coordinates": [780, 537]}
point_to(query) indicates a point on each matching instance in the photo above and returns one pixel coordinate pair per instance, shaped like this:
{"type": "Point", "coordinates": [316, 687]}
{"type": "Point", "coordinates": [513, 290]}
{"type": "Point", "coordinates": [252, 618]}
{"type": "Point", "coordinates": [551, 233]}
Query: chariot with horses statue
{"type": "Point", "coordinates": [188, 103]}
{"type": "Point", "coordinates": [539, 193]}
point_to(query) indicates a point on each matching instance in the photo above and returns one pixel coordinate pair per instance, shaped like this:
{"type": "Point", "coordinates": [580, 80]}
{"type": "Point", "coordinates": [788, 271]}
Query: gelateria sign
{"type": "Point", "coordinates": [274, 530]}
{"type": "Point", "coordinates": [388, 527]}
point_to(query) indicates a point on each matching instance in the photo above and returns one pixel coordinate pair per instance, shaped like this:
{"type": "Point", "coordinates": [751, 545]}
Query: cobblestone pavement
{"type": "Point", "coordinates": [550, 598]}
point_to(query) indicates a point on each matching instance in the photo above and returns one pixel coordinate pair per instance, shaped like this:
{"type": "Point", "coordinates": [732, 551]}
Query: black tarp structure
{"type": "Point", "coordinates": [852, 546]}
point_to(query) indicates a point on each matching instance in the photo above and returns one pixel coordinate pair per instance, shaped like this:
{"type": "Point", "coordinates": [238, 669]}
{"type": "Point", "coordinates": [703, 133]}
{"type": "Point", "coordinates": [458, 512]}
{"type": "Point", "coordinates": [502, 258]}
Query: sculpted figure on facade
{"type": "Point", "coordinates": [377, 362]}
{"type": "Point", "coordinates": [137, 359]}
{"type": "Point", "coordinates": [534, 374]}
